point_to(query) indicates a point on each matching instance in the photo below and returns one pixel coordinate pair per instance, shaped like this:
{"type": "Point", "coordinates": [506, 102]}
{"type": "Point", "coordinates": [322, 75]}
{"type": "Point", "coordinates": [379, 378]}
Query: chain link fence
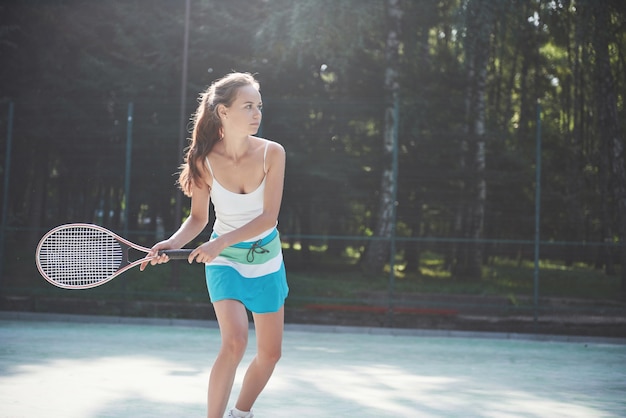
{"type": "Point", "coordinates": [95, 166]}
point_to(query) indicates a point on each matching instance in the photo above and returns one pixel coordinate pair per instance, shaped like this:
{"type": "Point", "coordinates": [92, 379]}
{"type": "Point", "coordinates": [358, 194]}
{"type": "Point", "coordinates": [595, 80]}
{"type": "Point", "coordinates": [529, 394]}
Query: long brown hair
{"type": "Point", "coordinates": [207, 125]}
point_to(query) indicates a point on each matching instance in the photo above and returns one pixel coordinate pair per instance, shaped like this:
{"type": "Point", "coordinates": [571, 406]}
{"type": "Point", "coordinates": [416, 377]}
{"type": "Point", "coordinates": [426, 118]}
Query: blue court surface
{"type": "Point", "coordinates": [82, 367]}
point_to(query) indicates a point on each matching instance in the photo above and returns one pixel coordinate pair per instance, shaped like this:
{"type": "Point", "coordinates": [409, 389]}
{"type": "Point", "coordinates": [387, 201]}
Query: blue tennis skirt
{"type": "Point", "coordinates": [252, 272]}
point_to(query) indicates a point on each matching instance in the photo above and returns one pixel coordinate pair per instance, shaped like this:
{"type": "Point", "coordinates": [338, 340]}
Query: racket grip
{"type": "Point", "coordinates": [177, 254]}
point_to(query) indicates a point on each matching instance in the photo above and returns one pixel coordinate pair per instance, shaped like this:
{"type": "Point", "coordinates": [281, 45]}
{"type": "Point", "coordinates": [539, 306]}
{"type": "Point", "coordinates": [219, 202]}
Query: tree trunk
{"type": "Point", "coordinates": [479, 27]}
{"type": "Point", "coordinates": [609, 126]}
{"type": "Point", "coordinates": [572, 125]}
{"type": "Point", "coordinates": [378, 250]}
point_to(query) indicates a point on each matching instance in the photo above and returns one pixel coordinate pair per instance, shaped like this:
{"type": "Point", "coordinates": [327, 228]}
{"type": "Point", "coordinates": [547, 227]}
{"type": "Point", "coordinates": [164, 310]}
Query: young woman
{"type": "Point", "coordinates": [243, 175]}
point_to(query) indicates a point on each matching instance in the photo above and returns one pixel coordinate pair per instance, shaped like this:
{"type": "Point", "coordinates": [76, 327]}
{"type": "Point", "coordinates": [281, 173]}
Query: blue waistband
{"type": "Point", "coordinates": [260, 242]}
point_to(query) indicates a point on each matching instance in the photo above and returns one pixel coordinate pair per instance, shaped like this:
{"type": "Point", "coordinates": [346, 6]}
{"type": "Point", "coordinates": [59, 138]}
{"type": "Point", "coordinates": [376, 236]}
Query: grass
{"type": "Point", "coordinates": [503, 277]}
{"type": "Point", "coordinates": [337, 280]}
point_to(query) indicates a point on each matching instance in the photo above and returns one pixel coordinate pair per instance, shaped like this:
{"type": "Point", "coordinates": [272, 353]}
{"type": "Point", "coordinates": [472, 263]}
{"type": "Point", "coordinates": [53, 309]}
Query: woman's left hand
{"type": "Point", "coordinates": [206, 252]}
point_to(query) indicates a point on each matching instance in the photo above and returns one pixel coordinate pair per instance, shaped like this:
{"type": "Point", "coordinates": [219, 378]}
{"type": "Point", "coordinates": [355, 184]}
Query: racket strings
{"type": "Point", "coordinates": [80, 256]}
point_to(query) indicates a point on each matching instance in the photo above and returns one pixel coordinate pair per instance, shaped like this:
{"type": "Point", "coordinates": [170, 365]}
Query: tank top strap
{"type": "Point", "coordinates": [208, 164]}
{"type": "Point", "coordinates": [265, 155]}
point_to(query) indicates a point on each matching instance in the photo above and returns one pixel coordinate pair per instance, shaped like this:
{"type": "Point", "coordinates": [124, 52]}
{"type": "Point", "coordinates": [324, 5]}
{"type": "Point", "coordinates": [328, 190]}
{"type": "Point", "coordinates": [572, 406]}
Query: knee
{"type": "Point", "coordinates": [235, 346]}
{"type": "Point", "coordinates": [271, 355]}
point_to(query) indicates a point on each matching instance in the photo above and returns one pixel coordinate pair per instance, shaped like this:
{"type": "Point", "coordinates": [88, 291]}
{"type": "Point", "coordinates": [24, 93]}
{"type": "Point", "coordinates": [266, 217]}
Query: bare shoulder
{"type": "Point", "coordinates": [203, 169]}
{"type": "Point", "coordinates": [273, 148]}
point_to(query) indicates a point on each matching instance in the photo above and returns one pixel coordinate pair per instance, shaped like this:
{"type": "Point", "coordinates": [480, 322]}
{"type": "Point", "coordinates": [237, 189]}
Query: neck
{"type": "Point", "coordinates": [235, 147]}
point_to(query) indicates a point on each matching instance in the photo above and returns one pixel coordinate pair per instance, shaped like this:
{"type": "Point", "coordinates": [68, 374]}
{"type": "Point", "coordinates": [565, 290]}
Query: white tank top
{"type": "Point", "coordinates": [234, 210]}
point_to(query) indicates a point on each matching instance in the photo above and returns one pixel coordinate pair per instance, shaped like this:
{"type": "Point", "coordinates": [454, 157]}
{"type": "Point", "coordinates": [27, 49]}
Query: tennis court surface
{"type": "Point", "coordinates": [83, 367]}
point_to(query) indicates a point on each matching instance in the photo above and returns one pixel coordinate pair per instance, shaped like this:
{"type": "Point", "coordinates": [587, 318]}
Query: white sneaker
{"type": "Point", "coordinates": [248, 415]}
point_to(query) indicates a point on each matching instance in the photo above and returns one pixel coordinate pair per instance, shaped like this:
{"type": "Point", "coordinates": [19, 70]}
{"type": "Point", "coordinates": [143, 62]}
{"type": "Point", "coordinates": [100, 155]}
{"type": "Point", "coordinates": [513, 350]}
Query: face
{"type": "Point", "coordinates": [244, 114]}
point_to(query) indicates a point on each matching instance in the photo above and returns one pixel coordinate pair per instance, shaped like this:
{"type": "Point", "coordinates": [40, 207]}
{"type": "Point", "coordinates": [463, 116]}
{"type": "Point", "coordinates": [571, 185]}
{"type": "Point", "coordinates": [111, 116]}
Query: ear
{"type": "Point", "coordinates": [222, 111]}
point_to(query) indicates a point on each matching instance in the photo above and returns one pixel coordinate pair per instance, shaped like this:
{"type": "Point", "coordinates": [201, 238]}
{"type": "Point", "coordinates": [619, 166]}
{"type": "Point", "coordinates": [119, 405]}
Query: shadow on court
{"type": "Point", "coordinates": [83, 367]}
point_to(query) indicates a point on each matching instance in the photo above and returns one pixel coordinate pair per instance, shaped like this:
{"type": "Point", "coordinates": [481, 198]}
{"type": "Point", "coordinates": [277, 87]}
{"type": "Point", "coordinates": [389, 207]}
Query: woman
{"type": "Point", "coordinates": [243, 175]}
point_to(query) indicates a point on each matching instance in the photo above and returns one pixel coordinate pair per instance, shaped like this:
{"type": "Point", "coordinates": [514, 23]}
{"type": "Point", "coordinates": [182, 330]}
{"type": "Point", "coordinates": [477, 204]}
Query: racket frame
{"type": "Point", "coordinates": [125, 264]}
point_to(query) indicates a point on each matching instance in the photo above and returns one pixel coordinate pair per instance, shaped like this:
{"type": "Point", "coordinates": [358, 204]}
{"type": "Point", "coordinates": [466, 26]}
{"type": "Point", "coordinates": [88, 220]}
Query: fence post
{"type": "Point", "coordinates": [129, 150]}
{"type": "Point", "coordinates": [126, 212]}
{"type": "Point", "coordinates": [537, 212]}
{"type": "Point", "coordinates": [183, 118]}
{"type": "Point", "coordinates": [182, 134]}
{"type": "Point", "coordinates": [5, 189]}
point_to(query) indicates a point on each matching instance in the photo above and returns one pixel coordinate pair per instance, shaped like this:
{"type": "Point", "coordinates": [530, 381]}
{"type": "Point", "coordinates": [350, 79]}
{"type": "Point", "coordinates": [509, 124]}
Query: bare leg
{"type": "Point", "coordinates": [269, 334]}
{"type": "Point", "coordinates": [233, 322]}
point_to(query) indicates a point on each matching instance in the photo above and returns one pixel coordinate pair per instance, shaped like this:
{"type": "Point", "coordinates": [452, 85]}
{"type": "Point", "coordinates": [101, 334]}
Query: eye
{"type": "Point", "coordinates": [260, 107]}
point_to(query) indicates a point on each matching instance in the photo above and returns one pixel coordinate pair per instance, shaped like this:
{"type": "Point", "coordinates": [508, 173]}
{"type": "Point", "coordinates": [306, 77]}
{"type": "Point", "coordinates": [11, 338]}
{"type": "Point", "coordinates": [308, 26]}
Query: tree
{"type": "Point", "coordinates": [471, 215]}
{"type": "Point", "coordinates": [378, 250]}
{"type": "Point", "coordinates": [470, 71]}
{"type": "Point", "coordinates": [334, 32]}
{"type": "Point", "coordinates": [608, 125]}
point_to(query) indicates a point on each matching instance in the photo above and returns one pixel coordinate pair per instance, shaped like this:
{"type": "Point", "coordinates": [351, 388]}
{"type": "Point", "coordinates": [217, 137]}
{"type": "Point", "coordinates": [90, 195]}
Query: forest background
{"type": "Point", "coordinates": [444, 147]}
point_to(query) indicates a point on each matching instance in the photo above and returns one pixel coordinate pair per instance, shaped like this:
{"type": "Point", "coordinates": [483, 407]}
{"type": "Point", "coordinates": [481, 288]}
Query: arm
{"type": "Point", "coordinates": [197, 220]}
{"type": "Point", "coordinates": [193, 225]}
{"type": "Point", "coordinates": [275, 164]}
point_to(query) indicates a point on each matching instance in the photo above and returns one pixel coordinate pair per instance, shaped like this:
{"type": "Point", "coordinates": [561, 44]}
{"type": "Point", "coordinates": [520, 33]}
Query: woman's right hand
{"type": "Point", "coordinates": [159, 259]}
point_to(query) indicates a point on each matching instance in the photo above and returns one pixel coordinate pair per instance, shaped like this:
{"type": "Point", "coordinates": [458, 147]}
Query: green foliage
{"type": "Point", "coordinates": [72, 68]}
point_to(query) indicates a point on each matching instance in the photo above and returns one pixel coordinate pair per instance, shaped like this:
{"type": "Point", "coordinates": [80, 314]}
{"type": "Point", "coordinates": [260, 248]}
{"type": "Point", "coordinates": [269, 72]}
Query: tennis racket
{"type": "Point", "coordinates": [83, 256]}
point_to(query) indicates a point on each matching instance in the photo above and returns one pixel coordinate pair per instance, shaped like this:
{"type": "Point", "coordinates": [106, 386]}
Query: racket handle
{"type": "Point", "coordinates": [177, 254]}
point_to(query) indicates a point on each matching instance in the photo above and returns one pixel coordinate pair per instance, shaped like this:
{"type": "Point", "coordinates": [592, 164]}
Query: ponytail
{"type": "Point", "coordinates": [207, 127]}
{"type": "Point", "coordinates": [206, 132]}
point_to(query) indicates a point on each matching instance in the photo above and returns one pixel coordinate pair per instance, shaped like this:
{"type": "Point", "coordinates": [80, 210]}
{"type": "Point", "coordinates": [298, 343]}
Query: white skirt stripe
{"type": "Point", "coordinates": [251, 270]}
